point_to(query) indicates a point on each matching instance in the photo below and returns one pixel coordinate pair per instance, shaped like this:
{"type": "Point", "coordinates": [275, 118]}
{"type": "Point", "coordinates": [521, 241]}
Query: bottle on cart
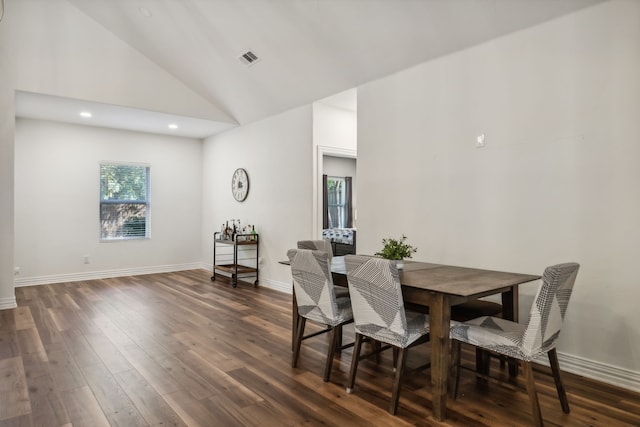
{"type": "Point", "coordinates": [233, 236]}
{"type": "Point", "coordinates": [253, 232]}
{"type": "Point", "coordinates": [227, 231]}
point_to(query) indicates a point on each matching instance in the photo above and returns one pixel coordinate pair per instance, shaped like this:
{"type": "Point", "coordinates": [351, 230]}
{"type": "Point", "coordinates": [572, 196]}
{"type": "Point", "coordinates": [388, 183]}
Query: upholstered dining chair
{"type": "Point", "coordinates": [379, 314]}
{"type": "Point", "coordinates": [317, 245]}
{"type": "Point", "coordinates": [524, 341]}
{"type": "Point", "coordinates": [316, 301]}
{"type": "Point", "coordinates": [324, 246]}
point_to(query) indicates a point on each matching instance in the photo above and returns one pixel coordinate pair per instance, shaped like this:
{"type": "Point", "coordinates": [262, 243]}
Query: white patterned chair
{"type": "Point", "coordinates": [524, 341]}
{"type": "Point", "coordinates": [379, 314]}
{"type": "Point", "coordinates": [317, 245]}
{"type": "Point", "coordinates": [316, 301]}
{"type": "Point", "coordinates": [323, 245]}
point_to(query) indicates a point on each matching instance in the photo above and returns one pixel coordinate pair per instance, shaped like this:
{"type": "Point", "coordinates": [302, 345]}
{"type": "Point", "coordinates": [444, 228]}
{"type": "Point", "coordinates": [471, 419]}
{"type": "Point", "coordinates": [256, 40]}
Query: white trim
{"type": "Point", "coordinates": [277, 286]}
{"type": "Point", "coordinates": [609, 374]}
{"type": "Point", "coordinates": [91, 275]}
{"type": "Point", "coordinates": [7, 303]}
{"type": "Point", "coordinates": [318, 168]}
{"type": "Point", "coordinates": [602, 372]}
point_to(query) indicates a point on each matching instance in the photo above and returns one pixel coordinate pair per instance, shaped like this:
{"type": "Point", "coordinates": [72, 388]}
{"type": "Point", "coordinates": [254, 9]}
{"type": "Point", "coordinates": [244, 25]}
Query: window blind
{"type": "Point", "coordinates": [124, 201]}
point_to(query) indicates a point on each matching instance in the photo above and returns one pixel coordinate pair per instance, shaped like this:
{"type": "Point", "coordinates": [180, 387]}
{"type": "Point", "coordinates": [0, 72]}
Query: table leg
{"type": "Point", "coordinates": [440, 322]}
{"type": "Point", "coordinates": [510, 312]}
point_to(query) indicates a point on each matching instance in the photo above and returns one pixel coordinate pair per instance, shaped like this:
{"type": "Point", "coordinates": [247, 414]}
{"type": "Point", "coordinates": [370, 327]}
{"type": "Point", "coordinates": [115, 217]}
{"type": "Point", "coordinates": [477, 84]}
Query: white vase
{"type": "Point", "coordinates": [400, 264]}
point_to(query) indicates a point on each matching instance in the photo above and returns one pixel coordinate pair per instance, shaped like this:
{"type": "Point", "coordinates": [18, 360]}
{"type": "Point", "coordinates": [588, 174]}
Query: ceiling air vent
{"type": "Point", "coordinates": [248, 58]}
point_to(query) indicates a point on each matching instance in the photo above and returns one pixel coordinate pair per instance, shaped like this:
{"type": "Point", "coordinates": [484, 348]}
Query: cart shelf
{"type": "Point", "coordinates": [237, 258]}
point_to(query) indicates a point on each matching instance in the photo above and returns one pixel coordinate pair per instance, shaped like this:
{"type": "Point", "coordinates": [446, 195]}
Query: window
{"type": "Point", "coordinates": [124, 201]}
{"type": "Point", "coordinates": [337, 202]}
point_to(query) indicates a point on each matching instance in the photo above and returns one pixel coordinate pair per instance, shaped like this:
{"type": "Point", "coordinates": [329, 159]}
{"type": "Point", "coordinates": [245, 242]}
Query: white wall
{"type": "Point", "coordinates": [339, 166]}
{"type": "Point", "coordinates": [557, 181]}
{"type": "Point", "coordinates": [7, 295]}
{"type": "Point", "coordinates": [276, 154]}
{"type": "Point", "coordinates": [8, 72]}
{"type": "Point", "coordinates": [334, 133]}
{"type": "Point", "coordinates": [334, 127]}
{"type": "Point", "coordinates": [57, 193]}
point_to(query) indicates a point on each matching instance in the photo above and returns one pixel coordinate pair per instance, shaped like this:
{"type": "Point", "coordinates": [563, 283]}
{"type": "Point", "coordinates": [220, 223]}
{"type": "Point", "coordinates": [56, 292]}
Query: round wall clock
{"type": "Point", "coordinates": [240, 184]}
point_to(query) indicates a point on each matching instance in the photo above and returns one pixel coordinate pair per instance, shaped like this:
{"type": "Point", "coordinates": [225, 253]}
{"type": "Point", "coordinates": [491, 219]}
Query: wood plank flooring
{"type": "Point", "coordinates": [176, 349]}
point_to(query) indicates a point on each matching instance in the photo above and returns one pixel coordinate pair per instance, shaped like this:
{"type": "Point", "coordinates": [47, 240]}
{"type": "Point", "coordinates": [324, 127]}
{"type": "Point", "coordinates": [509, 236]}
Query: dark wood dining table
{"type": "Point", "coordinates": [439, 287]}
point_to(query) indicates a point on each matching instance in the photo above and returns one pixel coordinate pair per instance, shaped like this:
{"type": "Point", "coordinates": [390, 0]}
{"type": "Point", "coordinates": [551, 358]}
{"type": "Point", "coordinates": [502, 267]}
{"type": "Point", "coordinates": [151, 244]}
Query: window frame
{"type": "Point", "coordinates": [341, 207]}
{"type": "Point", "coordinates": [146, 202]}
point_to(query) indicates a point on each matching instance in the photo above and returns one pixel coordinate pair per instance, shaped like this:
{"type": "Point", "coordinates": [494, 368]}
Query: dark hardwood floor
{"type": "Point", "coordinates": [177, 349]}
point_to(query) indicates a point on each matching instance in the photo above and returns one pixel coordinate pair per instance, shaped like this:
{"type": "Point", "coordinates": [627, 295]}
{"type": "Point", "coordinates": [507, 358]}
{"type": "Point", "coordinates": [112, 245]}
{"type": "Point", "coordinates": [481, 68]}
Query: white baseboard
{"type": "Point", "coordinates": [277, 286]}
{"type": "Point", "coordinates": [613, 375]}
{"type": "Point", "coordinates": [7, 303]}
{"type": "Point", "coordinates": [106, 274]}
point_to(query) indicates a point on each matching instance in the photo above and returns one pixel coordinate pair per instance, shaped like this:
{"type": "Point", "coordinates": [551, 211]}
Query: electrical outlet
{"type": "Point", "coordinates": [86, 259]}
{"type": "Point", "coordinates": [480, 141]}
{"type": "Point", "coordinates": [16, 271]}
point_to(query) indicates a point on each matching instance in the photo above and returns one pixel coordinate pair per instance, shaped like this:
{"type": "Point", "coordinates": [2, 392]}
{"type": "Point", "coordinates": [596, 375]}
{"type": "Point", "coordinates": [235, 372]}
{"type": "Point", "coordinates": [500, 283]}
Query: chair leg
{"type": "Point", "coordinates": [298, 341]}
{"type": "Point", "coordinates": [555, 369]}
{"type": "Point", "coordinates": [395, 351]}
{"type": "Point", "coordinates": [479, 360]}
{"type": "Point", "coordinates": [339, 339]}
{"type": "Point", "coordinates": [483, 364]}
{"type": "Point", "coordinates": [503, 361]}
{"type": "Point", "coordinates": [377, 345]}
{"type": "Point", "coordinates": [333, 339]}
{"type": "Point", "coordinates": [395, 395]}
{"type": "Point", "coordinates": [533, 395]}
{"type": "Point", "coordinates": [354, 362]}
{"type": "Point", "coordinates": [513, 367]}
{"type": "Point", "coordinates": [454, 373]}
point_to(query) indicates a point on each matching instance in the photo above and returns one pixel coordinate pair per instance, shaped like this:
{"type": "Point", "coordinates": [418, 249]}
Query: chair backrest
{"type": "Point", "coordinates": [376, 299]}
{"type": "Point", "coordinates": [317, 245]}
{"type": "Point", "coordinates": [549, 307]}
{"type": "Point", "coordinates": [313, 285]}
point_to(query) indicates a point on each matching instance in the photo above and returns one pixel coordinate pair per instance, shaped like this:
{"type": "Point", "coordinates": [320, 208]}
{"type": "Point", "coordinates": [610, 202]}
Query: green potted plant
{"type": "Point", "coordinates": [396, 250]}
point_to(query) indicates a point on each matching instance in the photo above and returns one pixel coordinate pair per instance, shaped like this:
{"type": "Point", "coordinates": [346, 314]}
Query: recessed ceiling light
{"type": "Point", "coordinates": [145, 12]}
{"type": "Point", "coordinates": [173, 126]}
{"type": "Point", "coordinates": [85, 114]}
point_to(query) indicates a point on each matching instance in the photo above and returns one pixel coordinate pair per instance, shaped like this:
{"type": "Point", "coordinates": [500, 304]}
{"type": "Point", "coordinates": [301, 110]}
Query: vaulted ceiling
{"type": "Point", "coordinates": [306, 49]}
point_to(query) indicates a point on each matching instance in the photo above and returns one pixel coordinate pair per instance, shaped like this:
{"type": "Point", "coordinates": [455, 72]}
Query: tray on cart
{"type": "Point", "coordinates": [236, 269]}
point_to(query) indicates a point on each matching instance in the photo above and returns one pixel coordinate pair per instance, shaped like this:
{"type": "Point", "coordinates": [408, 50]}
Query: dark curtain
{"type": "Point", "coordinates": [325, 203]}
{"type": "Point", "coordinates": [348, 191]}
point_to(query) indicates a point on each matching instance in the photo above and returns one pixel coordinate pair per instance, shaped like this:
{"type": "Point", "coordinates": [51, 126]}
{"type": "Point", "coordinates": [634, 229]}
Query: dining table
{"type": "Point", "coordinates": [439, 287]}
